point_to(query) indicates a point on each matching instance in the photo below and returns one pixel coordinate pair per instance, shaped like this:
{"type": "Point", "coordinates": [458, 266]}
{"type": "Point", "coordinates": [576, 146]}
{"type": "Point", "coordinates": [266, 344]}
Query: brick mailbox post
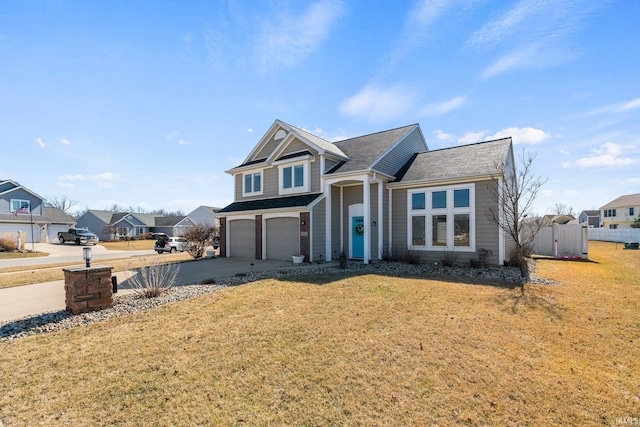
{"type": "Point", "coordinates": [88, 289]}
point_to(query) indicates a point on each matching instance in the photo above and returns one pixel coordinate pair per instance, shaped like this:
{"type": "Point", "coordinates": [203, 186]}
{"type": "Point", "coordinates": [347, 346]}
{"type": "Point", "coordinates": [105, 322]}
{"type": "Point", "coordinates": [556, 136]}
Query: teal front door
{"type": "Point", "coordinates": [357, 237]}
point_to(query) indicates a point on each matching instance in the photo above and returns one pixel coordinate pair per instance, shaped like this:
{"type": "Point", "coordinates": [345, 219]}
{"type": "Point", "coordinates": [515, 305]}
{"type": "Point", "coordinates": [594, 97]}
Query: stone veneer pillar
{"type": "Point", "coordinates": [223, 237]}
{"type": "Point", "coordinates": [305, 241]}
{"type": "Point", "coordinates": [258, 236]}
{"type": "Point", "coordinates": [88, 289]}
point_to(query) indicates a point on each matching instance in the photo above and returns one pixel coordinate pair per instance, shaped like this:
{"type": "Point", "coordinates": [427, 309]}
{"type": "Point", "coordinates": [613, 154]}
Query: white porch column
{"type": "Point", "coordinates": [380, 220]}
{"type": "Point", "coordinates": [366, 198]}
{"type": "Point", "coordinates": [327, 228]}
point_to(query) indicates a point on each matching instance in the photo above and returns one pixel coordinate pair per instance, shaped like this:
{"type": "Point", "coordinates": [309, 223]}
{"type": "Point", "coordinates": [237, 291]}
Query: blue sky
{"type": "Point", "coordinates": [147, 103]}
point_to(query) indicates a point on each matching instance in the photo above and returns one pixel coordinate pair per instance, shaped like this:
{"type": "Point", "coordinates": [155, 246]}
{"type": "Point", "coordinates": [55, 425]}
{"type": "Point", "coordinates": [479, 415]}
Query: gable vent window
{"type": "Point", "coordinates": [252, 184]}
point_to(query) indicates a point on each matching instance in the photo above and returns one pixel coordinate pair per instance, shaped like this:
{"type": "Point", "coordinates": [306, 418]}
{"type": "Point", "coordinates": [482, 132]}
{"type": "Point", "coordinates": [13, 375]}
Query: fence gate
{"type": "Point", "coordinates": [562, 241]}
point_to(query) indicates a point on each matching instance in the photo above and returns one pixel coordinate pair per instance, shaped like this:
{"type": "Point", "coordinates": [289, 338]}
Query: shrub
{"type": "Point", "coordinates": [9, 242]}
{"type": "Point", "coordinates": [448, 258]}
{"type": "Point", "coordinates": [403, 254]}
{"type": "Point", "coordinates": [153, 279]}
{"type": "Point", "coordinates": [342, 260]}
{"type": "Point", "coordinates": [208, 281]}
{"type": "Point", "coordinates": [199, 237]}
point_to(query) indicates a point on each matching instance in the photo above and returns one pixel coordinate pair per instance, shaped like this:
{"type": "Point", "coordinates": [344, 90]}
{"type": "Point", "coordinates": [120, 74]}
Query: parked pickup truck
{"type": "Point", "coordinates": [79, 236]}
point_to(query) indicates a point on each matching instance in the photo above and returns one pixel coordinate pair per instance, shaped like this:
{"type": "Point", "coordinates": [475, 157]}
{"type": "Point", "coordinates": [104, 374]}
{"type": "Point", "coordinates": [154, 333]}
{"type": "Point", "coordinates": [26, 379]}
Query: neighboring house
{"type": "Point", "coordinates": [621, 212]}
{"type": "Point", "coordinates": [204, 215]}
{"type": "Point", "coordinates": [22, 210]}
{"type": "Point", "coordinates": [557, 219]}
{"type": "Point", "coordinates": [369, 196]}
{"type": "Point", "coordinates": [110, 225]}
{"type": "Point", "coordinates": [590, 218]}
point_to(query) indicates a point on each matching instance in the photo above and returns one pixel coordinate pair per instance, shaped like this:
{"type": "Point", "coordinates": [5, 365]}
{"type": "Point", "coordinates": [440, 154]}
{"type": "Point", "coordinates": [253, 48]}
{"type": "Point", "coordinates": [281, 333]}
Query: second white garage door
{"type": "Point", "coordinates": [242, 238]}
{"type": "Point", "coordinates": [283, 238]}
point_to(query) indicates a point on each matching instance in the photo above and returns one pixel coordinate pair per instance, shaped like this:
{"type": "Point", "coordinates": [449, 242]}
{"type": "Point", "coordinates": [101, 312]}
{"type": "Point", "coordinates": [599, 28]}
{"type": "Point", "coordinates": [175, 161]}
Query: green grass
{"type": "Point", "coordinates": [350, 350]}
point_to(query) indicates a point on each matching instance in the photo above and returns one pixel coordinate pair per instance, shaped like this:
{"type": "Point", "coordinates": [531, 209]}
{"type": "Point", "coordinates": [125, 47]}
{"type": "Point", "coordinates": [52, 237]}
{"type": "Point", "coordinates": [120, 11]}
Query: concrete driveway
{"type": "Point", "coordinates": [30, 300]}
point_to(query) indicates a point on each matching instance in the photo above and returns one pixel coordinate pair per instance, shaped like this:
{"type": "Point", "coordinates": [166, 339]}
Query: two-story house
{"type": "Point", "coordinates": [590, 218]}
{"type": "Point", "coordinates": [621, 212]}
{"type": "Point", "coordinates": [368, 197]}
{"type": "Point", "coordinates": [22, 210]}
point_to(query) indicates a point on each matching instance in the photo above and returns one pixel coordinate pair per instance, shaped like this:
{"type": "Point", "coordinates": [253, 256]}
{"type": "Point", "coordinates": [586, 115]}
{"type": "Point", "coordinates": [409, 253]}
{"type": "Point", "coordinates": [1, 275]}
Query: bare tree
{"type": "Point", "coordinates": [562, 209]}
{"type": "Point", "coordinates": [63, 203]}
{"type": "Point", "coordinates": [515, 193]}
{"type": "Point", "coordinates": [198, 238]}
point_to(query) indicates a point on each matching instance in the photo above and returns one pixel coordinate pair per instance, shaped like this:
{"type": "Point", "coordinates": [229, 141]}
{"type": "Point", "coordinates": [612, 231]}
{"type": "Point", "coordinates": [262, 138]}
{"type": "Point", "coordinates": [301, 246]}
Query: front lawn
{"type": "Point", "coordinates": [350, 350]}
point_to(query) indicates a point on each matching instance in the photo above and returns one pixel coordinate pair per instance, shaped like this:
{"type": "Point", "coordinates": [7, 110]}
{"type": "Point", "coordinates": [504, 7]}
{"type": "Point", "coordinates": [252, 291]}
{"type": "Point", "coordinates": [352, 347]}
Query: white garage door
{"type": "Point", "coordinates": [52, 232]}
{"type": "Point", "coordinates": [11, 231]}
{"type": "Point", "coordinates": [283, 238]}
{"type": "Point", "coordinates": [242, 238]}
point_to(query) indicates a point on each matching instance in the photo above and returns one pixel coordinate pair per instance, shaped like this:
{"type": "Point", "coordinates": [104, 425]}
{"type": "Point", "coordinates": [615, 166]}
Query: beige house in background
{"type": "Point", "coordinates": [621, 212]}
{"type": "Point", "coordinates": [368, 196]}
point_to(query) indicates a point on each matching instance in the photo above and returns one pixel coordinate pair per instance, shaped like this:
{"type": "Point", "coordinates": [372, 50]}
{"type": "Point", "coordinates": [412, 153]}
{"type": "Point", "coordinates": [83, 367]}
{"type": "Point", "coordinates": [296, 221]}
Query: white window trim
{"type": "Point", "coordinates": [20, 203]}
{"type": "Point", "coordinates": [305, 176]}
{"type": "Point", "coordinates": [253, 193]}
{"type": "Point", "coordinates": [449, 211]}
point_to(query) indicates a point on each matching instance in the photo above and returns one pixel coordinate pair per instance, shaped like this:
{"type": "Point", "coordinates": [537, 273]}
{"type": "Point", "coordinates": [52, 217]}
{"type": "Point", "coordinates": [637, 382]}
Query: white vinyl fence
{"type": "Point", "coordinates": [620, 235]}
{"type": "Point", "coordinates": [562, 241]}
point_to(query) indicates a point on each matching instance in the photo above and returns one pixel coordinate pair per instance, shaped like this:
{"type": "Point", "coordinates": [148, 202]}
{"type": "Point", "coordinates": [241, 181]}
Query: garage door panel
{"type": "Point", "coordinates": [242, 238]}
{"type": "Point", "coordinates": [283, 238]}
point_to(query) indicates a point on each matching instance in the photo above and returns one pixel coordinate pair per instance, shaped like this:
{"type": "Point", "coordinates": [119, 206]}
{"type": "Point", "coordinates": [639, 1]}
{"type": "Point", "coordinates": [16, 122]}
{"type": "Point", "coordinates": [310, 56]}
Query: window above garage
{"type": "Point", "coordinates": [293, 177]}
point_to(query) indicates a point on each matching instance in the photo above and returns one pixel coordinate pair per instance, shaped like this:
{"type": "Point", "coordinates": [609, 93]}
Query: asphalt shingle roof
{"type": "Point", "coordinates": [320, 142]}
{"type": "Point", "coordinates": [458, 162]}
{"type": "Point", "coordinates": [365, 150]}
{"type": "Point", "coordinates": [274, 203]}
{"type": "Point", "coordinates": [623, 201]}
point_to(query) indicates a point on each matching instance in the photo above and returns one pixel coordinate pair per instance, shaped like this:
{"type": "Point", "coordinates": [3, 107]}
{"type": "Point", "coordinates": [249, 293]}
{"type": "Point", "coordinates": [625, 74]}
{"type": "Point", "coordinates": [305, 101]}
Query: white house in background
{"type": "Point", "coordinates": [204, 215]}
{"type": "Point", "coordinates": [621, 212]}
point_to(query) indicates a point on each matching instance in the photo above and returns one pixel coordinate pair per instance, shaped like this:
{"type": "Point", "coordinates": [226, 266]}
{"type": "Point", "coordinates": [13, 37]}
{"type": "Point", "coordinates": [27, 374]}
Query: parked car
{"type": "Point", "coordinates": [79, 236]}
{"type": "Point", "coordinates": [171, 244]}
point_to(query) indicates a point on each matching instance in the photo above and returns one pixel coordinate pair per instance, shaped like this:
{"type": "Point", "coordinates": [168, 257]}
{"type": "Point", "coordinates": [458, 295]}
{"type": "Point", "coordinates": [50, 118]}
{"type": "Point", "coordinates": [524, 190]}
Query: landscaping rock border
{"type": "Point", "coordinates": [128, 304]}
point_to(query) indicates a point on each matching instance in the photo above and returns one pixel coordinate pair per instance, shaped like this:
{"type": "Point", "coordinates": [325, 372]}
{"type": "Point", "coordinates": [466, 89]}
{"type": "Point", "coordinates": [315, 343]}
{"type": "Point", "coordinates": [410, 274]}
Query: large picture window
{"type": "Point", "coordinates": [252, 184]}
{"type": "Point", "coordinates": [20, 206]}
{"type": "Point", "coordinates": [442, 218]}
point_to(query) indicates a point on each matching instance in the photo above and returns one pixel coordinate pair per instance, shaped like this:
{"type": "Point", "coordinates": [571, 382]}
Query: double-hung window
{"type": "Point", "coordinates": [20, 206]}
{"type": "Point", "coordinates": [252, 184]}
{"type": "Point", "coordinates": [442, 218]}
{"type": "Point", "coordinates": [294, 177]}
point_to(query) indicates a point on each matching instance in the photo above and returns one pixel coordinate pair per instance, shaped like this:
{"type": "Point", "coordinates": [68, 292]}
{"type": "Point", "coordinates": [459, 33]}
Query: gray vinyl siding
{"type": "Point", "coordinates": [95, 224]}
{"type": "Point", "coordinates": [391, 162]}
{"type": "Point", "coordinates": [373, 249]}
{"type": "Point", "coordinates": [318, 217]}
{"type": "Point", "coordinates": [20, 194]}
{"type": "Point", "coordinates": [385, 220]}
{"type": "Point", "coordinates": [399, 220]}
{"type": "Point", "coordinates": [336, 249]}
{"type": "Point", "coordinates": [296, 146]}
{"type": "Point", "coordinates": [270, 176]}
{"type": "Point", "coordinates": [267, 149]}
{"type": "Point", "coordinates": [487, 233]}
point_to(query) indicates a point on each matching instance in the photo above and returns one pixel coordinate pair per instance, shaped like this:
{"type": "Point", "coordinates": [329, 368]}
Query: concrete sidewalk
{"type": "Point", "coordinates": [29, 300]}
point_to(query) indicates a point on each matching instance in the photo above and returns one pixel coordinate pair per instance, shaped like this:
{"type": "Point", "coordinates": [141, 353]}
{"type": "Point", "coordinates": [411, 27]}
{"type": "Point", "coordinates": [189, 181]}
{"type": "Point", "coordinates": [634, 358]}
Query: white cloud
{"type": "Point", "coordinates": [631, 105]}
{"type": "Point", "coordinates": [287, 40]}
{"type": "Point", "coordinates": [64, 141]}
{"type": "Point", "coordinates": [171, 135]}
{"type": "Point", "coordinates": [631, 182]}
{"type": "Point", "coordinates": [40, 142]}
{"type": "Point", "coordinates": [442, 136]}
{"type": "Point", "coordinates": [471, 137]}
{"type": "Point", "coordinates": [379, 103]}
{"type": "Point", "coordinates": [103, 180]}
{"type": "Point", "coordinates": [565, 152]}
{"type": "Point", "coordinates": [566, 165]}
{"type": "Point", "coordinates": [250, 130]}
{"type": "Point", "coordinates": [443, 107]}
{"type": "Point", "coordinates": [535, 34]}
{"type": "Point", "coordinates": [183, 142]}
{"type": "Point", "coordinates": [547, 193]}
{"type": "Point", "coordinates": [607, 155]}
{"type": "Point", "coordinates": [526, 135]}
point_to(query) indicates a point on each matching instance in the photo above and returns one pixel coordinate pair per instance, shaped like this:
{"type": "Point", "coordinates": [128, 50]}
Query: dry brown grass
{"type": "Point", "coordinates": [362, 350]}
{"type": "Point", "coordinates": [129, 245]}
{"type": "Point", "coordinates": [19, 276]}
